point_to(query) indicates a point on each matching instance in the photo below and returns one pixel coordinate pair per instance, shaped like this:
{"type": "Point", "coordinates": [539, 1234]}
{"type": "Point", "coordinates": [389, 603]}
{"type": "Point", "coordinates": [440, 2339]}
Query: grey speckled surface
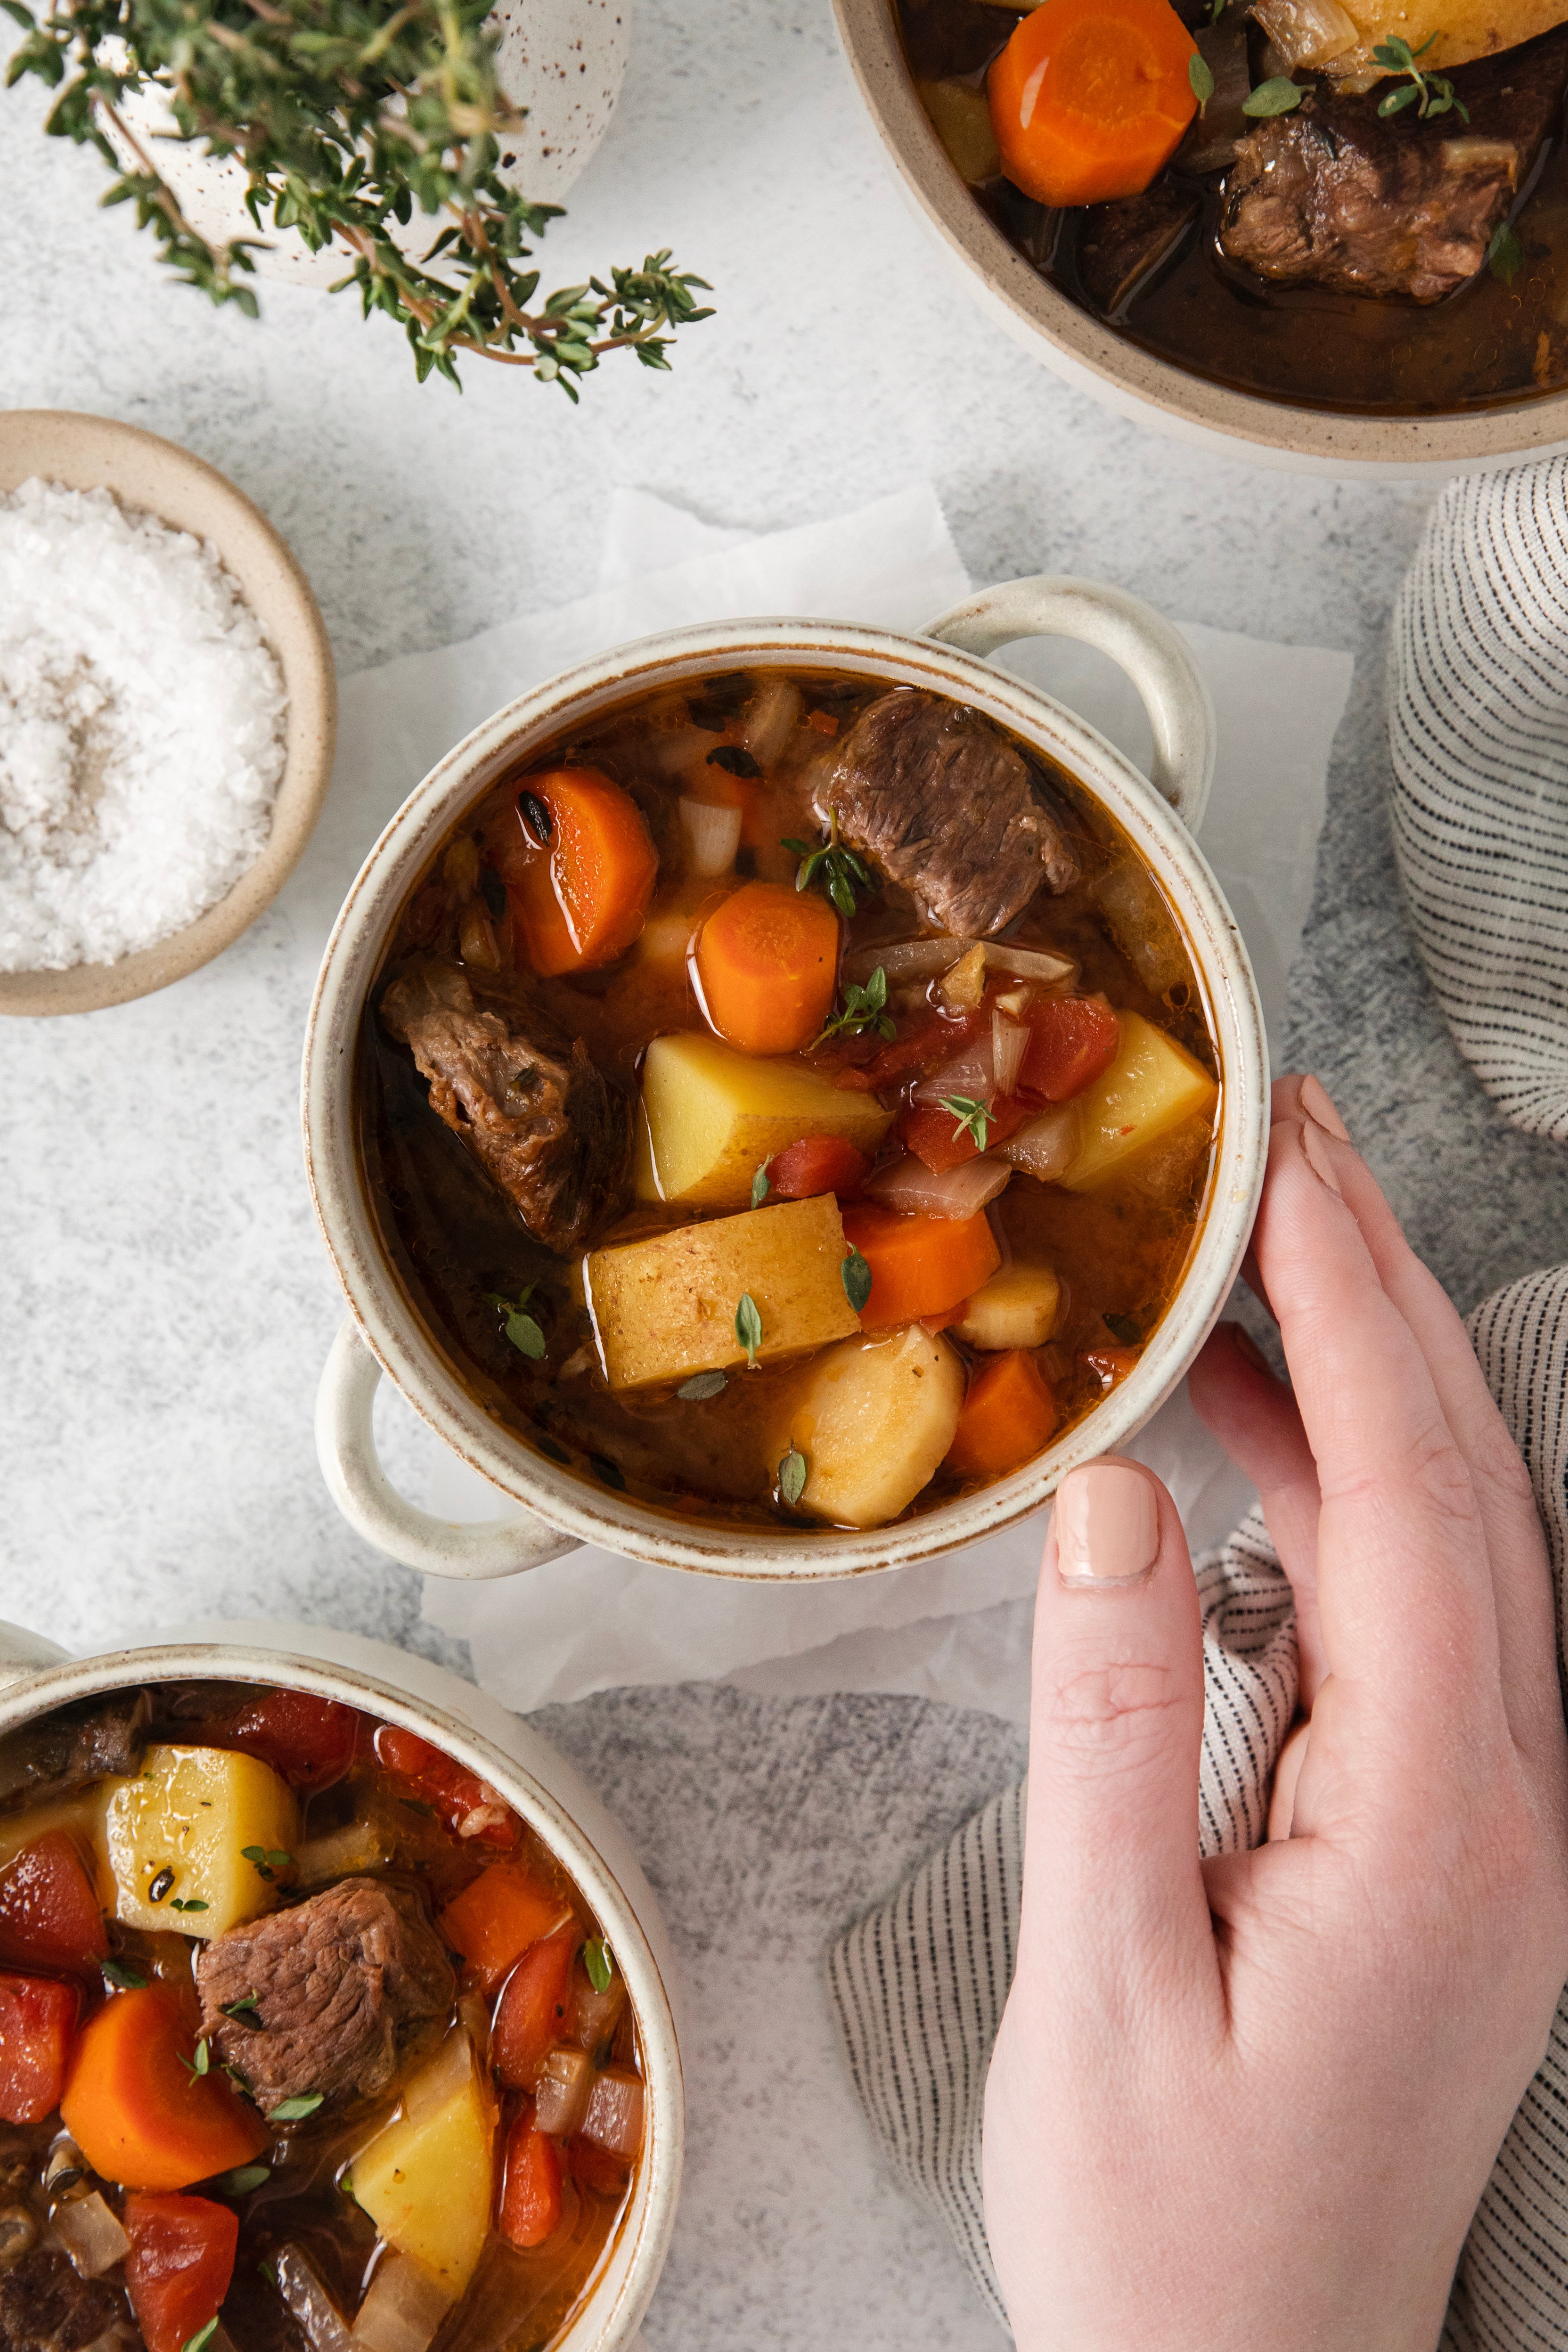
{"type": "Point", "coordinates": [166, 1308]}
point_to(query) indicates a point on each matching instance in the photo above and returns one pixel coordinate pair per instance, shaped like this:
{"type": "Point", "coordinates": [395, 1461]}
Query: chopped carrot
{"type": "Point", "coordinates": [531, 2200]}
{"type": "Point", "coordinates": [37, 2018]}
{"type": "Point", "coordinates": [533, 2010]}
{"type": "Point", "coordinates": [1089, 99]}
{"type": "Point", "coordinates": [1009, 1415]}
{"type": "Point", "coordinates": [919, 1265]}
{"type": "Point", "coordinates": [818, 1163]}
{"type": "Point", "coordinates": [136, 2107]}
{"type": "Point", "coordinates": [581, 871]}
{"type": "Point", "coordinates": [768, 962]}
{"type": "Point", "coordinates": [1071, 1040]}
{"type": "Point", "coordinates": [493, 1921]}
{"type": "Point", "coordinates": [49, 1915]}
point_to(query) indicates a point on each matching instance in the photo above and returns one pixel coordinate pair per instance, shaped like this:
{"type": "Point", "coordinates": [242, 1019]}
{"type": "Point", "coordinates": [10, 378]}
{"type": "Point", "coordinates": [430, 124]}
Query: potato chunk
{"type": "Point", "coordinates": [1017, 1309]}
{"type": "Point", "coordinates": [176, 1836]}
{"type": "Point", "coordinates": [874, 1417]}
{"type": "Point", "coordinates": [428, 2180]}
{"type": "Point", "coordinates": [665, 1308]}
{"type": "Point", "coordinates": [1462, 30]}
{"type": "Point", "coordinates": [1151, 1086]}
{"type": "Point", "coordinates": [711, 1117]}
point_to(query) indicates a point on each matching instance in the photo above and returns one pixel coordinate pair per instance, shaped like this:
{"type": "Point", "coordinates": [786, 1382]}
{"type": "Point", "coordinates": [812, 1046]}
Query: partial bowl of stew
{"type": "Point", "coordinates": [1337, 234]}
{"type": "Point", "coordinates": [781, 1093]}
{"type": "Point", "coordinates": [333, 2012]}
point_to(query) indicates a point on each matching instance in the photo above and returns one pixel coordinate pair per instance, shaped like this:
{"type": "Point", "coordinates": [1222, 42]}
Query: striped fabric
{"type": "Point", "coordinates": [1478, 732]}
{"type": "Point", "coordinates": [917, 1987]}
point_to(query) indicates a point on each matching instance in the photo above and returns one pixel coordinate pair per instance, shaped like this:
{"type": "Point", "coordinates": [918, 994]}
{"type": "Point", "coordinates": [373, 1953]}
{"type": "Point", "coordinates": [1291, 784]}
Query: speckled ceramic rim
{"type": "Point", "coordinates": [544, 1788]}
{"type": "Point", "coordinates": [92, 452]}
{"type": "Point", "coordinates": [1097, 360]}
{"type": "Point", "coordinates": [394, 1333]}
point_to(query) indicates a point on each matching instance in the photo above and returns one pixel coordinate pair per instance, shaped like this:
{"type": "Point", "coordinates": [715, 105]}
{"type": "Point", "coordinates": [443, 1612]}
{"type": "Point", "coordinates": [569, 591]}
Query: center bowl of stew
{"type": "Point", "coordinates": [317, 2033]}
{"type": "Point", "coordinates": [804, 1092]}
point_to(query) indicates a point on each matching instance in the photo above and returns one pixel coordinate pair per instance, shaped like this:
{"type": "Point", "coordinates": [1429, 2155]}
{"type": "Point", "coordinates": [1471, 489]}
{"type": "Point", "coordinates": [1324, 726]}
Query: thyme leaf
{"type": "Point", "coordinates": [522, 1330]}
{"type": "Point", "coordinates": [864, 1008]}
{"type": "Point", "coordinates": [1279, 95]}
{"type": "Point", "coordinates": [1201, 75]}
{"type": "Point", "coordinates": [1429, 93]}
{"type": "Point", "coordinates": [791, 1475]}
{"type": "Point", "coordinates": [294, 2111]}
{"type": "Point", "coordinates": [597, 1961]}
{"type": "Point", "coordinates": [974, 1119]}
{"type": "Point", "coordinates": [832, 864]}
{"type": "Point", "coordinates": [761, 1185]}
{"type": "Point", "coordinates": [856, 1276]}
{"type": "Point", "coordinates": [1505, 255]}
{"type": "Point", "coordinates": [749, 1327]}
{"type": "Point", "coordinates": [701, 1386]}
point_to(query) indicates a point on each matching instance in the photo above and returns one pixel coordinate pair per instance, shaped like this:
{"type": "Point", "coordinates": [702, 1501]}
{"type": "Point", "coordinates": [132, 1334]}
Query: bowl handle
{"type": "Point", "coordinates": [1140, 641]}
{"type": "Point", "coordinates": [345, 1443]}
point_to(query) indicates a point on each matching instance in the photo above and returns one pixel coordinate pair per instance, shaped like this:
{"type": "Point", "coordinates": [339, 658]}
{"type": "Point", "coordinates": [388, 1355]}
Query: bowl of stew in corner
{"type": "Point", "coordinates": [1353, 255]}
{"type": "Point", "coordinates": [781, 1093]}
{"type": "Point", "coordinates": [333, 2011]}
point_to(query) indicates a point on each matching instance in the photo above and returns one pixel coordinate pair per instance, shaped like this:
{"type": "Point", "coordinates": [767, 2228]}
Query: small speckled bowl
{"type": "Point", "coordinates": [96, 452]}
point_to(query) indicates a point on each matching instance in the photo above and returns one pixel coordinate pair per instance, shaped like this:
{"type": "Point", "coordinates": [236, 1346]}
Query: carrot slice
{"type": "Point", "coordinates": [768, 962]}
{"type": "Point", "coordinates": [1009, 1415]}
{"type": "Point", "coordinates": [137, 2108]}
{"type": "Point", "coordinates": [919, 1265]}
{"type": "Point", "coordinates": [531, 2200]}
{"type": "Point", "coordinates": [49, 1915]}
{"type": "Point", "coordinates": [581, 873]}
{"type": "Point", "coordinates": [1089, 98]}
{"type": "Point", "coordinates": [37, 2018]}
{"type": "Point", "coordinates": [493, 1921]}
{"type": "Point", "coordinates": [533, 2011]}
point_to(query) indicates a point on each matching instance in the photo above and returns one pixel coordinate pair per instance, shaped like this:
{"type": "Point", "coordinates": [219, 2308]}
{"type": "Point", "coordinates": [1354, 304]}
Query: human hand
{"type": "Point", "coordinates": [1253, 2102]}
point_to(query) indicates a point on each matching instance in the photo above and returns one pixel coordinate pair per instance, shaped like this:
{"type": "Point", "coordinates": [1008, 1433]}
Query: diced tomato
{"type": "Point", "coordinates": [309, 1740]}
{"type": "Point", "coordinates": [533, 2010]}
{"type": "Point", "coordinates": [937, 1137]}
{"type": "Point", "coordinates": [49, 1915]}
{"type": "Point", "coordinates": [135, 2104]}
{"type": "Point", "coordinates": [493, 1921]}
{"type": "Point", "coordinates": [457, 1795]}
{"type": "Point", "coordinates": [927, 1040]}
{"type": "Point", "coordinates": [179, 2267]}
{"type": "Point", "coordinates": [1110, 1366]}
{"type": "Point", "coordinates": [595, 2167]}
{"type": "Point", "coordinates": [1071, 1040]}
{"type": "Point", "coordinates": [531, 2200]}
{"type": "Point", "coordinates": [37, 2018]}
{"type": "Point", "coordinates": [818, 1163]}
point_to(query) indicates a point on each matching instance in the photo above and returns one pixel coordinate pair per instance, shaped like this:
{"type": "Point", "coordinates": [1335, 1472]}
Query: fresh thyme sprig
{"type": "Point", "coordinates": [522, 1330]}
{"type": "Point", "coordinates": [1434, 91]}
{"type": "Point", "coordinates": [837, 867]}
{"type": "Point", "coordinates": [864, 1008]}
{"type": "Point", "coordinates": [348, 117]}
{"type": "Point", "coordinates": [974, 1119]}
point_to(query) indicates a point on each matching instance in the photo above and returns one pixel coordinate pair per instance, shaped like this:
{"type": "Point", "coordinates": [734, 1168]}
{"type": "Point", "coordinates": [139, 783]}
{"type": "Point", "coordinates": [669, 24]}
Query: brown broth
{"type": "Point", "coordinates": [456, 1244]}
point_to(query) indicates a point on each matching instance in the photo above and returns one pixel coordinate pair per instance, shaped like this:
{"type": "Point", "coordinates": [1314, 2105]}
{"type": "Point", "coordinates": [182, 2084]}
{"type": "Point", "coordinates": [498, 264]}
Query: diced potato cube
{"type": "Point", "coordinates": [873, 1417]}
{"type": "Point", "coordinates": [962, 120]}
{"type": "Point", "coordinates": [176, 1837]}
{"type": "Point", "coordinates": [665, 1308]}
{"type": "Point", "coordinates": [1151, 1086]}
{"type": "Point", "coordinates": [711, 1117]}
{"type": "Point", "coordinates": [1017, 1309]}
{"type": "Point", "coordinates": [428, 2180]}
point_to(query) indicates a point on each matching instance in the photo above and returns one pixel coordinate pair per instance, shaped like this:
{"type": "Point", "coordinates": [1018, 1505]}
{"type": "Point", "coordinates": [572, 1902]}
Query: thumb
{"type": "Point", "coordinates": [1112, 1886]}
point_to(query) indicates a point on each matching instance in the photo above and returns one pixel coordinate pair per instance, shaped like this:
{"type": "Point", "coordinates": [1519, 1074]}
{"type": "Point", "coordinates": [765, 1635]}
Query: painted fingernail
{"type": "Point", "coordinates": [1106, 1525]}
{"type": "Point", "coordinates": [1315, 1101]}
{"type": "Point", "coordinates": [1247, 1348]}
{"type": "Point", "coordinates": [1317, 1151]}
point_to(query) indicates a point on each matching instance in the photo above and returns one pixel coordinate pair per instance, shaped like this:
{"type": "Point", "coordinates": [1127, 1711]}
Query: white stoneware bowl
{"type": "Point", "coordinates": [36, 1675]}
{"type": "Point", "coordinates": [384, 1333]}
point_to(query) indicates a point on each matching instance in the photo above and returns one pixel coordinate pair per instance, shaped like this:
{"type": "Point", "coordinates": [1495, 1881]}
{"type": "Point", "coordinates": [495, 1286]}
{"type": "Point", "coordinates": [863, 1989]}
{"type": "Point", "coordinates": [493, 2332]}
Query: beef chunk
{"type": "Point", "coordinates": [548, 1128]}
{"type": "Point", "coordinates": [1120, 243]}
{"type": "Point", "coordinates": [1335, 195]}
{"type": "Point", "coordinates": [44, 2307]}
{"type": "Point", "coordinates": [946, 805]}
{"type": "Point", "coordinates": [77, 1745]}
{"type": "Point", "coordinates": [342, 1982]}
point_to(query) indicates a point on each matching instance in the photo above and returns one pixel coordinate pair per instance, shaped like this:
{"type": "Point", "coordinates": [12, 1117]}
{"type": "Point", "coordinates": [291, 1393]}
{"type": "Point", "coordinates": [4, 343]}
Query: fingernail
{"type": "Point", "coordinates": [1106, 1525]}
{"type": "Point", "coordinates": [1317, 1151]}
{"type": "Point", "coordinates": [1247, 1348]}
{"type": "Point", "coordinates": [1315, 1101]}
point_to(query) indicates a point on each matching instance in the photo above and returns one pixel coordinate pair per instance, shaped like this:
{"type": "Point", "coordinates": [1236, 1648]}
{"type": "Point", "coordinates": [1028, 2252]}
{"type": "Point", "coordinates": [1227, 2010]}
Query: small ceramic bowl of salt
{"type": "Point", "coordinates": [167, 712]}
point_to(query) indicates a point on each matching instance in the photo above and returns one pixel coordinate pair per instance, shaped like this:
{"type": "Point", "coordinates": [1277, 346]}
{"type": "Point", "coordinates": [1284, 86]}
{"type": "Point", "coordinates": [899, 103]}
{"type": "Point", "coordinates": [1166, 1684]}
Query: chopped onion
{"type": "Point", "coordinates": [311, 2306]}
{"type": "Point", "coordinates": [906, 960]}
{"type": "Point", "coordinates": [910, 1186]}
{"type": "Point", "coordinates": [598, 2014]}
{"type": "Point", "coordinates": [770, 719]}
{"type": "Point", "coordinates": [615, 2115]}
{"type": "Point", "coordinates": [476, 939]}
{"type": "Point", "coordinates": [1030, 963]}
{"type": "Point", "coordinates": [970, 1073]}
{"type": "Point", "coordinates": [964, 984]}
{"type": "Point", "coordinates": [712, 835]}
{"type": "Point", "coordinates": [1009, 1044]}
{"type": "Point", "coordinates": [566, 2080]}
{"type": "Point", "coordinates": [1307, 32]}
{"type": "Point", "coordinates": [1482, 156]}
{"type": "Point", "coordinates": [680, 747]}
{"type": "Point", "coordinates": [404, 2306]}
{"type": "Point", "coordinates": [91, 2235]}
{"type": "Point", "coordinates": [1047, 1146]}
{"type": "Point", "coordinates": [349, 1853]}
{"type": "Point", "coordinates": [18, 2232]}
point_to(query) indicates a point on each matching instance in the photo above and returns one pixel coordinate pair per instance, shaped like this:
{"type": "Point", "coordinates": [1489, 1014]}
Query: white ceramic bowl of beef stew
{"type": "Point", "coordinates": [408, 1692]}
{"type": "Point", "coordinates": [384, 1334]}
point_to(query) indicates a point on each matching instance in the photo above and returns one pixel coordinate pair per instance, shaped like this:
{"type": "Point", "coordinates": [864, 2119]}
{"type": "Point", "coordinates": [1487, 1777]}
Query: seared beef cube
{"type": "Point", "coordinates": [1120, 243]}
{"type": "Point", "coordinates": [340, 1983]}
{"type": "Point", "coordinates": [1337, 196]}
{"type": "Point", "coordinates": [549, 1129]}
{"type": "Point", "coordinates": [944, 804]}
{"type": "Point", "coordinates": [44, 2307]}
{"type": "Point", "coordinates": [73, 1747]}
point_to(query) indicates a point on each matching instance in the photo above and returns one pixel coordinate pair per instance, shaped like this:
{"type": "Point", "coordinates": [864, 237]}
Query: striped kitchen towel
{"type": "Point", "coordinates": [917, 1987]}
{"type": "Point", "coordinates": [1479, 731]}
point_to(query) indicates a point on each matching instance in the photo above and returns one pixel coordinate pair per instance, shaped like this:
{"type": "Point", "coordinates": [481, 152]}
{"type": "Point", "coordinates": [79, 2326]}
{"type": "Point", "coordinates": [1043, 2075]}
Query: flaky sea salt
{"type": "Point", "coordinates": [141, 730]}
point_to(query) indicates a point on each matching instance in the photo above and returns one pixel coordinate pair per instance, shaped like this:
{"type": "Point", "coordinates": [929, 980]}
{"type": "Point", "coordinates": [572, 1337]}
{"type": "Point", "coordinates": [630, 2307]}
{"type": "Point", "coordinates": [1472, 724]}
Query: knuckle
{"type": "Point", "coordinates": [1440, 1473]}
{"type": "Point", "coordinates": [1114, 1716]}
